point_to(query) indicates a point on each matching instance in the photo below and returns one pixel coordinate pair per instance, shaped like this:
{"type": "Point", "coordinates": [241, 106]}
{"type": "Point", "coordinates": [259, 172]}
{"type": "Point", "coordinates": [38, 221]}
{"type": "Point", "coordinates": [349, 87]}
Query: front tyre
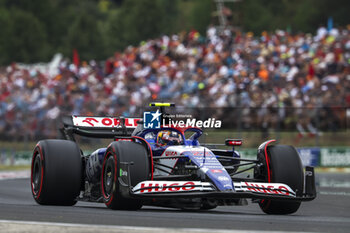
{"type": "Point", "coordinates": [116, 153]}
{"type": "Point", "coordinates": [56, 172]}
{"type": "Point", "coordinates": [209, 204]}
{"type": "Point", "coordinates": [284, 167]}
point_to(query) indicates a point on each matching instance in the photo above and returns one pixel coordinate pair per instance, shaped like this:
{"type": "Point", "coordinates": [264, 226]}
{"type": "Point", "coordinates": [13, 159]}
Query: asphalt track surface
{"type": "Point", "coordinates": [329, 212]}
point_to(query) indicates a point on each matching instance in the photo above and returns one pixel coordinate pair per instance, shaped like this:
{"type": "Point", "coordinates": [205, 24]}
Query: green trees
{"type": "Point", "coordinates": [201, 14]}
{"type": "Point", "coordinates": [23, 37]}
{"type": "Point", "coordinates": [32, 31]}
{"type": "Point", "coordinates": [85, 36]}
{"type": "Point", "coordinates": [299, 15]}
{"type": "Point", "coordinates": [136, 20]}
{"type": "Point", "coordinates": [4, 35]}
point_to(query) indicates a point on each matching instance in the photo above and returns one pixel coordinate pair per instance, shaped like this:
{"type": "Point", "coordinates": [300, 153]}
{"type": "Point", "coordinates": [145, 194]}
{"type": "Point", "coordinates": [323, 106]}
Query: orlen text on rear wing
{"type": "Point", "coordinates": [98, 127]}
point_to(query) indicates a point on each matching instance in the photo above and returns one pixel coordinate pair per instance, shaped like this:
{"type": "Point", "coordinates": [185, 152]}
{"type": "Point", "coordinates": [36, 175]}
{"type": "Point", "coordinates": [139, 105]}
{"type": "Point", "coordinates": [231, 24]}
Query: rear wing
{"type": "Point", "coordinates": [98, 127]}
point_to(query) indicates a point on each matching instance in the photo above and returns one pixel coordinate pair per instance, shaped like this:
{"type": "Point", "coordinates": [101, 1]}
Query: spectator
{"type": "Point", "coordinates": [232, 69]}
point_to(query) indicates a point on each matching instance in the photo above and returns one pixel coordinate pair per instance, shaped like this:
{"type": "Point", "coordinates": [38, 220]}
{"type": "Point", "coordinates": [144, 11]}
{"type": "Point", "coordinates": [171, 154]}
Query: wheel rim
{"type": "Point", "coordinates": [36, 181]}
{"type": "Point", "coordinates": [108, 176]}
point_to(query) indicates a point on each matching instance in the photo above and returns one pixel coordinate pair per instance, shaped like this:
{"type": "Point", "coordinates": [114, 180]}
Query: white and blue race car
{"type": "Point", "coordinates": [161, 167]}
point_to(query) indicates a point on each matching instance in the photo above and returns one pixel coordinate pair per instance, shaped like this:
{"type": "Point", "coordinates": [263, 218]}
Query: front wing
{"type": "Point", "coordinates": [195, 189]}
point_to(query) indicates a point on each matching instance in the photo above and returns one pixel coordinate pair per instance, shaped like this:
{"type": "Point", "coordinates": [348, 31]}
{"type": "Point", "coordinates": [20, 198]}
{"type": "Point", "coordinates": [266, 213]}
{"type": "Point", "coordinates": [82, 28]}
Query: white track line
{"type": "Point", "coordinates": [38, 227]}
{"type": "Point", "coordinates": [335, 193]}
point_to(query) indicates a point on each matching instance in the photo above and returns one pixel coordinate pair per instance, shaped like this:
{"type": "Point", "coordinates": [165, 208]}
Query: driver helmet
{"type": "Point", "coordinates": [167, 137]}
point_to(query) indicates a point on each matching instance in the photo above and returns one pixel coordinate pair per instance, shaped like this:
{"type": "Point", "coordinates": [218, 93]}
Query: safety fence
{"type": "Point", "coordinates": [314, 121]}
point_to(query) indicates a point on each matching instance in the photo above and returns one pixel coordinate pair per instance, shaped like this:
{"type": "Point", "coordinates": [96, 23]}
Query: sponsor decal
{"type": "Point", "coordinates": [156, 187]}
{"type": "Point", "coordinates": [233, 142]}
{"type": "Point", "coordinates": [216, 170]}
{"type": "Point", "coordinates": [104, 122]}
{"type": "Point", "coordinates": [337, 157]}
{"type": "Point", "coordinates": [265, 188]}
{"type": "Point", "coordinates": [91, 121]}
{"type": "Point", "coordinates": [223, 178]}
{"type": "Point", "coordinates": [208, 153]}
{"type": "Point", "coordinates": [167, 186]}
{"type": "Point", "coordinates": [170, 153]}
{"type": "Point", "coordinates": [309, 156]}
{"type": "Point", "coordinates": [123, 139]}
{"type": "Point", "coordinates": [123, 173]}
{"type": "Point", "coordinates": [309, 173]}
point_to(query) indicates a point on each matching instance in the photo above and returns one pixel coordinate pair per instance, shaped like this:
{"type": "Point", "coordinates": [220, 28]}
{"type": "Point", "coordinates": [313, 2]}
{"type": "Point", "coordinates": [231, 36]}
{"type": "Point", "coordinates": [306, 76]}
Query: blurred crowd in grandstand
{"type": "Point", "coordinates": [274, 80]}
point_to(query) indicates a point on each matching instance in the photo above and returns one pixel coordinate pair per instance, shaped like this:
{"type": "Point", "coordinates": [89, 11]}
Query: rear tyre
{"type": "Point", "coordinates": [117, 152]}
{"type": "Point", "coordinates": [56, 172]}
{"type": "Point", "coordinates": [285, 167]}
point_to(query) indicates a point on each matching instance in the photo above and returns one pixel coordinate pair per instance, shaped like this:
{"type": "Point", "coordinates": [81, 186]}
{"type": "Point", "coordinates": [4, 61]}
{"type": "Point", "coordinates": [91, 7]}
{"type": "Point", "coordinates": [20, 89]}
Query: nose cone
{"type": "Point", "coordinates": [208, 164]}
{"type": "Point", "coordinates": [220, 178]}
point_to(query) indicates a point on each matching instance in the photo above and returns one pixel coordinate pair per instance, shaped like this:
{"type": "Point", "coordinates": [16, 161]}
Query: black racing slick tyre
{"type": "Point", "coordinates": [209, 204]}
{"type": "Point", "coordinates": [284, 167]}
{"type": "Point", "coordinates": [139, 170]}
{"type": "Point", "coordinates": [56, 172]}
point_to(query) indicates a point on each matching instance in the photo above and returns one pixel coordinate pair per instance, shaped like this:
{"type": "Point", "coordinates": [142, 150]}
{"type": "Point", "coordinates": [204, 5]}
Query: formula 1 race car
{"type": "Point", "coordinates": [162, 167]}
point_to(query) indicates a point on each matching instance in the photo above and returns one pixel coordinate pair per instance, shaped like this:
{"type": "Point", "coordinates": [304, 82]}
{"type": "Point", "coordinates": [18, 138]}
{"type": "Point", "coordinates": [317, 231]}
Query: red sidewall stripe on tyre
{"type": "Point", "coordinates": [268, 161]}
{"type": "Point", "coordinates": [115, 177]}
{"type": "Point", "coordinates": [268, 172]}
{"type": "Point", "coordinates": [37, 195]}
{"type": "Point", "coordinates": [151, 154]}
